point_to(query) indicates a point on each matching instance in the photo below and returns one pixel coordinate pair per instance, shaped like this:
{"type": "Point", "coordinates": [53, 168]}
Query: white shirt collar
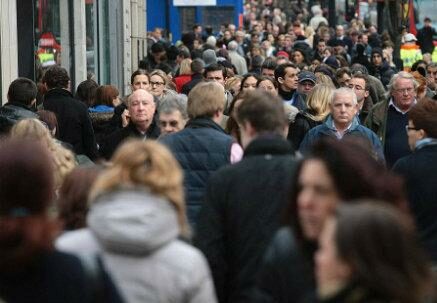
{"type": "Point", "coordinates": [391, 103]}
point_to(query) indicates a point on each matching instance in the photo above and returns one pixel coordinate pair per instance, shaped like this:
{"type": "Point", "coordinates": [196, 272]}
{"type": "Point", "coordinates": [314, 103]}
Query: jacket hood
{"type": "Point", "coordinates": [132, 221]}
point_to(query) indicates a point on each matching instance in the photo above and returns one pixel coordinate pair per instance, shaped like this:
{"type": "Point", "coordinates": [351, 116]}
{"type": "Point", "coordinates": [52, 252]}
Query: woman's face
{"type": "Point", "coordinates": [249, 83]}
{"type": "Point", "coordinates": [298, 57]}
{"type": "Point", "coordinates": [157, 85]}
{"type": "Point", "coordinates": [316, 199]}
{"type": "Point", "coordinates": [332, 273]}
{"type": "Point", "coordinates": [141, 81]}
{"type": "Point", "coordinates": [268, 86]}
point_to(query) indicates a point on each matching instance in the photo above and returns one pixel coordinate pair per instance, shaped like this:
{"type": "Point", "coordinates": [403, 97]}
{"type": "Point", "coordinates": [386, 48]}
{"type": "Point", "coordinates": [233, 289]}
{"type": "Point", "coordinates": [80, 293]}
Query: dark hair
{"type": "Point", "coordinates": [341, 71]}
{"type": "Point", "coordinates": [263, 111]}
{"type": "Point", "coordinates": [269, 63]}
{"type": "Point", "coordinates": [197, 66]}
{"type": "Point", "coordinates": [385, 258]}
{"type": "Point", "coordinates": [215, 67]}
{"type": "Point", "coordinates": [280, 70]}
{"type": "Point", "coordinates": [267, 78]}
{"type": "Point", "coordinates": [138, 72]}
{"type": "Point", "coordinates": [424, 116]}
{"type": "Point", "coordinates": [73, 196]}
{"type": "Point", "coordinates": [354, 172]}
{"type": "Point", "coordinates": [25, 228]}
{"type": "Point", "coordinates": [157, 47]}
{"type": "Point", "coordinates": [245, 77]}
{"type": "Point", "coordinates": [360, 75]}
{"type": "Point", "coordinates": [22, 90]}
{"type": "Point", "coordinates": [56, 77]}
{"type": "Point", "coordinates": [86, 92]}
{"type": "Point", "coordinates": [105, 95]}
{"type": "Point", "coordinates": [232, 127]}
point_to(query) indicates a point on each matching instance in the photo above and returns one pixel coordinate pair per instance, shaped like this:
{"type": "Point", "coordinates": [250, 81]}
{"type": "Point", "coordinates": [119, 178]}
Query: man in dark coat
{"type": "Point", "coordinates": [21, 97]}
{"type": "Point", "coordinates": [197, 68]}
{"type": "Point", "coordinates": [244, 201]}
{"type": "Point", "coordinates": [202, 147]}
{"type": "Point", "coordinates": [286, 75]}
{"type": "Point", "coordinates": [380, 67]}
{"type": "Point", "coordinates": [426, 36]}
{"type": "Point", "coordinates": [420, 172]}
{"type": "Point", "coordinates": [74, 122]}
{"type": "Point", "coordinates": [142, 124]}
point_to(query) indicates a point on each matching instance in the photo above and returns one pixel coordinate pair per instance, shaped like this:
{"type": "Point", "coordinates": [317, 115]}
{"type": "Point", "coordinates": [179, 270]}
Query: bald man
{"type": "Point", "coordinates": [142, 108]}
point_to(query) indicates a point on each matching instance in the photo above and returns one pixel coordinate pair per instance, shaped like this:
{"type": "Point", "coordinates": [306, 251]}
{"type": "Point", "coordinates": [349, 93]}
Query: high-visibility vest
{"type": "Point", "coordinates": [434, 55]}
{"type": "Point", "coordinates": [409, 54]}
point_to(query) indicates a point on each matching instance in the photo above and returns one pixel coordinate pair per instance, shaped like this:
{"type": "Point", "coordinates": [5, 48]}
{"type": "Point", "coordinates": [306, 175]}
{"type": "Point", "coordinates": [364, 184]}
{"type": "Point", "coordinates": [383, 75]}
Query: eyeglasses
{"type": "Point", "coordinates": [408, 128]}
{"type": "Point", "coordinates": [408, 90]}
{"type": "Point", "coordinates": [156, 83]}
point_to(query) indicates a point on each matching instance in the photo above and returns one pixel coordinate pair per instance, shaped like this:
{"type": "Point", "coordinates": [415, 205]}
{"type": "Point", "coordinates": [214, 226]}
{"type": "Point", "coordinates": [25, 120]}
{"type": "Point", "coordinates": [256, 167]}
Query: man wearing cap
{"type": "Point", "coordinates": [410, 51]}
{"type": "Point", "coordinates": [286, 75]}
{"type": "Point", "coordinates": [379, 67]}
{"type": "Point", "coordinates": [306, 82]}
{"type": "Point", "coordinates": [425, 36]}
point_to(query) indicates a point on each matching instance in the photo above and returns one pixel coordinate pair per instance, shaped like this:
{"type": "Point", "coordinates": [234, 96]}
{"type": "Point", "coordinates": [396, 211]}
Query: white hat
{"type": "Point", "coordinates": [410, 37]}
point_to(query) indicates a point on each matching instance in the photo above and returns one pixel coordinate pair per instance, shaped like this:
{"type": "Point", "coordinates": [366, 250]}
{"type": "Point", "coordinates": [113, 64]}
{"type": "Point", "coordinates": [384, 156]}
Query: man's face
{"type": "Point", "coordinates": [171, 122]}
{"type": "Point", "coordinates": [268, 72]}
{"type": "Point", "coordinates": [339, 31]}
{"type": "Point", "coordinates": [141, 107]}
{"type": "Point", "coordinates": [432, 75]}
{"type": "Point", "coordinates": [358, 85]}
{"type": "Point", "coordinates": [227, 35]}
{"type": "Point", "coordinates": [305, 87]}
{"type": "Point", "coordinates": [289, 82]}
{"type": "Point", "coordinates": [343, 110]}
{"type": "Point", "coordinates": [216, 76]}
{"type": "Point", "coordinates": [403, 93]}
{"type": "Point", "coordinates": [376, 59]}
{"type": "Point", "coordinates": [321, 47]}
{"type": "Point", "coordinates": [288, 41]}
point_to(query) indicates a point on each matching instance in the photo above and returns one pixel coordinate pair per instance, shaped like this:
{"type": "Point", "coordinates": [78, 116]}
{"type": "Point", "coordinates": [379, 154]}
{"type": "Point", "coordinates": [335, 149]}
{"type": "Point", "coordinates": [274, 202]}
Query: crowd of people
{"type": "Point", "coordinates": [288, 160]}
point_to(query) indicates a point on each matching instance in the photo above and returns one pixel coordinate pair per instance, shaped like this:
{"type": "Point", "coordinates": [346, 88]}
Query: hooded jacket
{"type": "Point", "coordinates": [137, 234]}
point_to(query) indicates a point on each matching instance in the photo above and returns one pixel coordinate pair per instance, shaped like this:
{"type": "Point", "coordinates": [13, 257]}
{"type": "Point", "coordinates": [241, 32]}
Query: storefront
{"type": "Point", "coordinates": [103, 39]}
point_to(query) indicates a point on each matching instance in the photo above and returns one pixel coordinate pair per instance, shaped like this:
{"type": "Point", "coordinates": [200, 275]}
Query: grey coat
{"type": "Point", "coordinates": [136, 233]}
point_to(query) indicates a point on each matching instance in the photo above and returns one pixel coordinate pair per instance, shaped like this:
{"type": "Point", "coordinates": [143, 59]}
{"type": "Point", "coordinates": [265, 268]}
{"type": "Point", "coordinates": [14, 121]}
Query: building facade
{"type": "Point", "coordinates": [100, 38]}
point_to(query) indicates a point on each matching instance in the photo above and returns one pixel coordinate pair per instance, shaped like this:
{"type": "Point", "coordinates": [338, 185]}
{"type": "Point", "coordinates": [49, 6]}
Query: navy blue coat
{"type": "Point", "coordinates": [201, 148]}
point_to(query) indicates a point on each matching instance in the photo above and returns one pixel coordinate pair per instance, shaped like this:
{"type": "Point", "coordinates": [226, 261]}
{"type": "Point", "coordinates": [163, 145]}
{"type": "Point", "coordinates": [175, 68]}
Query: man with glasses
{"type": "Point", "coordinates": [380, 67]}
{"type": "Point", "coordinates": [388, 119]}
{"type": "Point", "coordinates": [359, 84]}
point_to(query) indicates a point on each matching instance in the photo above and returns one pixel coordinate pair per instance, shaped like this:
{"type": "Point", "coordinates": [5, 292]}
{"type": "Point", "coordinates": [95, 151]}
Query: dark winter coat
{"type": "Point", "coordinates": [241, 212]}
{"type": "Point", "coordinates": [55, 277]}
{"type": "Point", "coordinates": [300, 127]}
{"type": "Point", "coordinates": [201, 149]}
{"type": "Point", "coordinates": [420, 172]}
{"type": "Point", "coordinates": [112, 141]}
{"type": "Point", "coordinates": [286, 272]}
{"type": "Point", "coordinates": [74, 121]}
{"type": "Point", "coordinates": [384, 72]}
{"type": "Point", "coordinates": [11, 113]}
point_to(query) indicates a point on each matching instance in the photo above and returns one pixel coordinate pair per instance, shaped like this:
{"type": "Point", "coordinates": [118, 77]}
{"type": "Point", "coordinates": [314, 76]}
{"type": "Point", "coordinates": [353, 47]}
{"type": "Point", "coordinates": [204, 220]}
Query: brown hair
{"type": "Point", "coordinates": [385, 258]}
{"type": "Point", "coordinates": [146, 164]}
{"type": "Point", "coordinates": [424, 116]}
{"type": "Point", "coordinates": [25, 228]}
{"type": "Point", "coordinates": [105, 95]}
{"type": "Point", "coordinates": [205, 99]}
{"type": "Point", "coordinates": [73, 196]}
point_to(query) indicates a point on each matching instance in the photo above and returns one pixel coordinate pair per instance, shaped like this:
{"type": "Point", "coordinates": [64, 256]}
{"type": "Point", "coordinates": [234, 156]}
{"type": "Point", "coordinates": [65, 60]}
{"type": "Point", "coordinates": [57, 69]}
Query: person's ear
{"type": "Point", "coordinates": [422, 133]}
{"type": "Point", "coordinates": [280, 80]}
{"type": "Point", "coordinates": [366, 93]}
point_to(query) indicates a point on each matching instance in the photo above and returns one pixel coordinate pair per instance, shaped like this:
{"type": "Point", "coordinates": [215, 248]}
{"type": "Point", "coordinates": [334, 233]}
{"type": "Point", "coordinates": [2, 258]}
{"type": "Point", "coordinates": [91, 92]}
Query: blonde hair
{"type": "Point", "coordinates": [185, 68]}
{"type": "Point", "coordinates": [321, 78]}
{"type": "Point", "coordinates": [146, 164]}
{"type": "Point", "coordinates": [63, 159]}
{"type": "Point", "coordinates": [318, 101]}
{"type": "Point", "coordinates": [205, 99]}
{"type": "Point", "coordinates": [163, 75]}
{"type": "Point", "coordinates": [232, 81]}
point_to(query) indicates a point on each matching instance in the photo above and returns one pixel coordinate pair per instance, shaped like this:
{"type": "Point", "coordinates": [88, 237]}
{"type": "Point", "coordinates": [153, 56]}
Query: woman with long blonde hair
{"type": "Point", "coordinates": [136, 216]}
{"type": "Point", "coordinates": [317, 110]}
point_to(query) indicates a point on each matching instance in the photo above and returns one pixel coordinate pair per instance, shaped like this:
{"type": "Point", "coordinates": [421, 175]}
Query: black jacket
{"type": "Point", "coordinates": [241, 212]}
{"type": "Point", "coordinates": [11, 113]}
{"type": "Point", "coordinates": [74, 121]}
{"type": "Point", "coordinates": [383, 72]}
{"type": "Point", "coordinates": [56, 277]}
{"type": "Point", "coordinates": [187, 87]}
{"type": "Point", "coordinates": [420, 172]}
{"type": "Point", "coordinates": [299, 128]}
{"type": "Point", "coordinates": [110, 143]}
{"type": "Point", "coordinates": [286, 272]}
